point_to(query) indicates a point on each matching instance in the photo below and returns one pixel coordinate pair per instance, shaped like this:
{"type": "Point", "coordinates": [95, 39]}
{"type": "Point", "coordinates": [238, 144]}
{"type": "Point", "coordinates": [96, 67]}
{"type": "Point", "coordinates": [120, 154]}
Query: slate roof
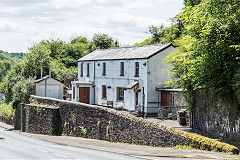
{"type": "Point", "coordinates": [137, 52]}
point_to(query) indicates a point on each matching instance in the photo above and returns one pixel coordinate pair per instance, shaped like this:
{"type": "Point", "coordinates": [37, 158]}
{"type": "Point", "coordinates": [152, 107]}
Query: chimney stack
{"type": "Point", "coordinates": [100, 45]}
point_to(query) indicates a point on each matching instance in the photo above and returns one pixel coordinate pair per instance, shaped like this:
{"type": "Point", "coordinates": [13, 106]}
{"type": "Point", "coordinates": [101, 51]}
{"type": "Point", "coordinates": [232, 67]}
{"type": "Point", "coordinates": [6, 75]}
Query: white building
{"type": "Point", "coordinates": [125, 77]}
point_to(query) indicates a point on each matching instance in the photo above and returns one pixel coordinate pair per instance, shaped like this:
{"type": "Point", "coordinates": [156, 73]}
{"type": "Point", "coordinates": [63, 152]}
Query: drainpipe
{"type": "Point", "coordinates": [94, 92]}
{"type": "Point", "coordinates": [143, 103]}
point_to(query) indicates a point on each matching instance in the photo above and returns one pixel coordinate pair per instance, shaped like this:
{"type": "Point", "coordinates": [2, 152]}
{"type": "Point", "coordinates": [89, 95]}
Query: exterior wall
{"type": "Point", "coordinates": [216, 115]}
{"type": "Point", "coordinates": [50, 81]}
{"type": "Point", "coordinates": [114, 80]}
{"type": "Point", "coordinates": [157, 74]}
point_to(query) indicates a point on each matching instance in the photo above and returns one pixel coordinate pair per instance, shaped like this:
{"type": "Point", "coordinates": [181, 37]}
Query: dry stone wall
{"type": "Point", "coordinates": [98, 122]}
{"type": "Point", "coordinates": [90, 121]}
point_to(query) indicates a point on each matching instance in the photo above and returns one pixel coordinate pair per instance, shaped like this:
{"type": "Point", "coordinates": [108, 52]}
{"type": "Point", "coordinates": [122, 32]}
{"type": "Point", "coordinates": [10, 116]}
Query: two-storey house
{"type": "Point", "coordinates": [125, 77]}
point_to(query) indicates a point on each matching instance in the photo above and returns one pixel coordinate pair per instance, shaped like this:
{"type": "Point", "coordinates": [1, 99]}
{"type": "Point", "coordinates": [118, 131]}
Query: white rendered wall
{"type": "Point", "coordinates": [157, 74]}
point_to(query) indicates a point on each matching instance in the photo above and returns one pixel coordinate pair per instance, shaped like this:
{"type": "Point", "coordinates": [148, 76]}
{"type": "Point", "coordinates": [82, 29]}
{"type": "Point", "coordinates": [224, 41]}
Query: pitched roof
{"type": "Point", "coordinates": [137, 52]}
{"type": "Point", "coordinates": [41, 79]}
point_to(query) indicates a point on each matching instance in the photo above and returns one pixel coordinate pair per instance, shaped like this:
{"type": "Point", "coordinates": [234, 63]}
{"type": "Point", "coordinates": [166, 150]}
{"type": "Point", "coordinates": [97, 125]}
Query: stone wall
{"type": "Point", "coordinates": [41, 119]}
{"type": "Point", "coordinates": [90, 121]}
{"type": "Point", "coordinates": [217, 116]}
{"type": "Point", "coordinates": [108, 124]}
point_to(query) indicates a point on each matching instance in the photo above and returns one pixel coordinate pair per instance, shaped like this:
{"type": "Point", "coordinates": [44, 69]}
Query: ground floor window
{"type": "Point", "coordinates": [73, 93]}
{"type": "Point", "coordinates": [120, 94]}
{"type": "Point", "coordinates": [104, 91]}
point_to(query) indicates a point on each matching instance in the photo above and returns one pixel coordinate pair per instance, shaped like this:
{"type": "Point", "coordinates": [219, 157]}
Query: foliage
{"type": "Point", "coordinates": [23, 89]}
{"type": "Point", "coordinates": [183, 147]}
{"type": "Point", "coordinates": [107, 41]}
{"type": "Point", "coordinates": [191, 2]}
{"type": "Point", "coordinates": [161, 34]}
{"type": "Point", "coordinates": [12, 57]}
{"type": "Point", "coordinates": [6, 110]}
{"type": "Point", "coordinates": [207, 58]}
{"type": "Point", "coordinates": [5, 66]}
{"type": "Point", "coordinates": [16, 83]}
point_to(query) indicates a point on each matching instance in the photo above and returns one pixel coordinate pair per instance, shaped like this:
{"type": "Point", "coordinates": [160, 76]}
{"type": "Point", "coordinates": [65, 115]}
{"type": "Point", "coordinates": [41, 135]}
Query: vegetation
{"type": "Point", "coordinates": [208, 57]}
{"type": "Point", "coordinates": [183, 147]}
{"type": "Point", "coordinates": [6, 110]}
{"type": "Point", "coordinates": [18, 71]}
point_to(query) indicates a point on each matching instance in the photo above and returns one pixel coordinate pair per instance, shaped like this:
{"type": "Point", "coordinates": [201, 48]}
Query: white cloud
{"type": "Point", "coordinates": [33, 20]}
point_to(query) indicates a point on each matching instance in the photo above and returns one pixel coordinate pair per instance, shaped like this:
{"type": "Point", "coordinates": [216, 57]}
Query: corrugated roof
{"type": "Point", "coordinates": [137, 52]}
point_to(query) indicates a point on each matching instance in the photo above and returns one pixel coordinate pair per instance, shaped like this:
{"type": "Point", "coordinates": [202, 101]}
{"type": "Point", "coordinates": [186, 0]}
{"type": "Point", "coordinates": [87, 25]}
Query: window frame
{"type": "Point", "coordinates": [81, 74]}
{"type": "Point", "coordinates": [136, 69]}
{"type": "Point", "coordinates": [121, 68]}
{"type": "Point", "coordinates": [87, 70]}
{"type": "Point", "coordinates": [73, 94]}
{"type": "Point", "coordinates": [120, 94]}
{"type": "Point", "coordinates": [104, 92]}
{"type": "Point", "coordinates": [104, 69]}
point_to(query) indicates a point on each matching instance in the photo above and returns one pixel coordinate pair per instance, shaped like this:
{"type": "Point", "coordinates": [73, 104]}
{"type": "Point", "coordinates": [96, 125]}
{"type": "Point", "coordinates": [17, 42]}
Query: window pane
{"type": "Point", "coordinates": [104, 91]}
{"type": "Point", "coordinates": [87, 69]}
{"type": "Point", "coordinates": [122, 69]}
{"type": "Point", "coordinates": [104, 69]}
{"type": "Point", "coordinates": [120, 94]}
{"type": "Point", "coordinates": [82, 69]}
{"type": "Point", "coordinates": [137, 69]}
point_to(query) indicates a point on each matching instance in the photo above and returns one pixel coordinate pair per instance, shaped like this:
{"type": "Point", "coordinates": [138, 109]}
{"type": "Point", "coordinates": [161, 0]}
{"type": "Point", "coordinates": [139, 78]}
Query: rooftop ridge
{"type": "Point", "coordinates": [136, 46]}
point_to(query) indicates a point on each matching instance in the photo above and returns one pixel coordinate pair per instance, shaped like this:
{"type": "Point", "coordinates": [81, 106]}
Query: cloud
{"type": "Point", "coordinates": [29, 21]}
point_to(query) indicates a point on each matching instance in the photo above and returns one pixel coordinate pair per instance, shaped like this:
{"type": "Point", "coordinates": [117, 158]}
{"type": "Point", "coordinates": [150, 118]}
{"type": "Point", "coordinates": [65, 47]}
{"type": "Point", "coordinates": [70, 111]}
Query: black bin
{"type": "Point", "coordinates": [182, 117]}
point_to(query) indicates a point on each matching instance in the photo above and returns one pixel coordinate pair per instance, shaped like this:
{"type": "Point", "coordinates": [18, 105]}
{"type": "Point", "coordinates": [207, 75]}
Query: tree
{"type": "Point", "coordinates": [106, 40]}
{"type": "Point", "coordinates": [208, 60]}
{"type": "Point", "coordinates": [191, 2]}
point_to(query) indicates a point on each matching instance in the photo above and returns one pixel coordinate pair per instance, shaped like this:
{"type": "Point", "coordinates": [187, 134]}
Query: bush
{"type": "Point", "coordinates": [7, 111]}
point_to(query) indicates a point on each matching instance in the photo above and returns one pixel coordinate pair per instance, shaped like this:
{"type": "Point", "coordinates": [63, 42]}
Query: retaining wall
{"type": "Point", "coordinates": [217, 116]}
{"type": "Point", "coordinates": [78, 119]}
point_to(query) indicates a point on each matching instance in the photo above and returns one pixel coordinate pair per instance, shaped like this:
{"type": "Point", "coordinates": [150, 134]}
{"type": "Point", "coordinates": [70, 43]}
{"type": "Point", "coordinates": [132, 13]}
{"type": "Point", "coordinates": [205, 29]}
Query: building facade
{"type": "Point", "coordinates": [124, 77]}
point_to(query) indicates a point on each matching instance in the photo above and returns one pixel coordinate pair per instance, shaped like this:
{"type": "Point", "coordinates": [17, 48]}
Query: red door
{"type": "Point", "coordinates": [84, 94]}
{"type": "Point", "coordinates": [165, 100]}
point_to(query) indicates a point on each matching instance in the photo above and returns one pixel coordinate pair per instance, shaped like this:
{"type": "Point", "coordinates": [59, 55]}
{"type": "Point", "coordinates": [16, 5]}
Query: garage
{"type": "Point", "coordinates": [54, 88]}
{"type": "Point", "coordinates": [52, 91]}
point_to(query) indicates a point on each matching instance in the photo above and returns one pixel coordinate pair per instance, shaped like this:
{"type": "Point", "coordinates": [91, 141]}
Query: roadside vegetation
{"type": "Point", "coordinates": [18, 71]}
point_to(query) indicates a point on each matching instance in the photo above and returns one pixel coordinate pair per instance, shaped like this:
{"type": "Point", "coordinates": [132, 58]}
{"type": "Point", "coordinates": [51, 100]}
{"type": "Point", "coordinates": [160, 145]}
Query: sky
{"type": "Point", "coordinates": [25, 22]}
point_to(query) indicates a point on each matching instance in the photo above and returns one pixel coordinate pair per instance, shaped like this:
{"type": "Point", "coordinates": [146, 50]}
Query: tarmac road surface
{"type": "Point", "coordinates": [22, 145]}
{"type": "Point", "coordinates": [18, 146]}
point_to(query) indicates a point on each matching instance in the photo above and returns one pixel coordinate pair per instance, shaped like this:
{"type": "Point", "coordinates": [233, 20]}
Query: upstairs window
{"type": "Point", "coordinates": [122, 69]}
{"type": "Point", "coordinates": [136, 69]}
{"type": "Point", "coordinates": [104, 91]}
{"type": "Point", "coordinates": [81, 69]}
{"type": "Point", "coordinates": [104, 69]}
{"type": "Point", "coordinates": [87, 69]}
{"type": "Point", "coordinates": [73, 93]}
{"type": "Point", "coordinates": [120, 94]}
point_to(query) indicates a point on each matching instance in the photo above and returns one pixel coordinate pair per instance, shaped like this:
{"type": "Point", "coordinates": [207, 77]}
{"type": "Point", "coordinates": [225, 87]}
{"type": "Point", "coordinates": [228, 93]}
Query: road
{"type": "Point", "coordinates": [21, 145]}
{"type": "Point", "coordinates": [18, 146]}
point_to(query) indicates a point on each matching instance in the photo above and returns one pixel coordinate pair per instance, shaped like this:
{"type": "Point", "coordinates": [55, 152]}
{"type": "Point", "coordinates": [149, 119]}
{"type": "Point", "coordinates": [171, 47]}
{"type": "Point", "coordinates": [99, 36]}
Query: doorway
{"type": "Point", "coordinates": [84, 94]}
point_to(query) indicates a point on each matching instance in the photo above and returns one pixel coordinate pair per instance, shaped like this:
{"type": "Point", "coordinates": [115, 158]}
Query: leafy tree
{"type": "Point", "coordinates": [5, 66]}
{"type": "Point", "coordinates": [207, 58]}
{"type": "Point", "coordinates": [191, 2]}
{"type": "Point", "coordinates": [106, 41]}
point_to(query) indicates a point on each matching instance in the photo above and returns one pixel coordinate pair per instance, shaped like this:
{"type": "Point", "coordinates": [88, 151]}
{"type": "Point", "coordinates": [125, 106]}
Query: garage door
{"type": "Point", "coordinates": [53, 91]}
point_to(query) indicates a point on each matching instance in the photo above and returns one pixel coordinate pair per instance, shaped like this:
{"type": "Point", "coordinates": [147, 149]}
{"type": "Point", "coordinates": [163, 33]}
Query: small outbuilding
{"type": "Point", "coordinates": [53, 87]}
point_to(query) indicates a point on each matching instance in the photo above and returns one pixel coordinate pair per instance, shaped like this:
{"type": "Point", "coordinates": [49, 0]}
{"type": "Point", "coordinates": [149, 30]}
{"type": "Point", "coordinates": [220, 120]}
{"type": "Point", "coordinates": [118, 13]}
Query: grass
{"type": "Point", "coordinates": [183, 147]}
